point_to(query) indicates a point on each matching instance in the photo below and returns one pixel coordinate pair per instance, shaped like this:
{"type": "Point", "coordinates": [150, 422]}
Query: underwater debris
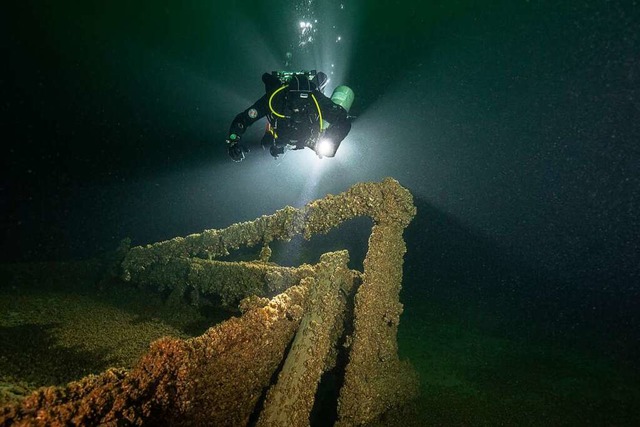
{"type": "Point", "coordinates": [224, 377]}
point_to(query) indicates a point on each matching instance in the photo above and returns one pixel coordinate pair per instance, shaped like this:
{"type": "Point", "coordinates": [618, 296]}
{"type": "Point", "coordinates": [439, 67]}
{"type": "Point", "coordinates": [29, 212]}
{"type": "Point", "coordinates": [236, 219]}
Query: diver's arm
{"type": "Point", "coordinates": [248, 117]}
{"type": "Point", "coordinates": [240, 124]}
{"type": "Point", "coordinates": [339, 128]}
{"type": "Point", "coordinates": [337, 116]}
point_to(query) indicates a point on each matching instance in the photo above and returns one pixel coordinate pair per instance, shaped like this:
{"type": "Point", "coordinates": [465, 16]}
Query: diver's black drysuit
{"type": "Point", "coordinates": [295, 112]}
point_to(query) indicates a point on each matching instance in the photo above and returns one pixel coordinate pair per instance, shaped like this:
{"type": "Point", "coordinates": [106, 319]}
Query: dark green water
{"type": "Point", "coordinates": [514, 124]}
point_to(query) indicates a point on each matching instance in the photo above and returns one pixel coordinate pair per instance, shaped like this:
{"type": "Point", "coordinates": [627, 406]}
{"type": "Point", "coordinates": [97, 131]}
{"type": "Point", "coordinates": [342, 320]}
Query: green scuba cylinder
{"type": "Point", "coordinates": [343, 96]}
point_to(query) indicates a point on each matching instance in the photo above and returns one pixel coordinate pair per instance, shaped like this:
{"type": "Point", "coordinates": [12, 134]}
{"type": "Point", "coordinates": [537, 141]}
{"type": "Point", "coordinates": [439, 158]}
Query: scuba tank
{"type": "Point", "coordinates": [343, 96]}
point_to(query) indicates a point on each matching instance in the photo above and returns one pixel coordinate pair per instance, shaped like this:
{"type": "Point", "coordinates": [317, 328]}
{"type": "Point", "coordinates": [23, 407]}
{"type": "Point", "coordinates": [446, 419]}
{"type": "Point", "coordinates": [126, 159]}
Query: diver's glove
{"type": "Point", "coordinates": [276, 150]}
{"type": "Point", "coordinates": [267, 140]}
{"type": "Point", "coordinates": [235, 149]}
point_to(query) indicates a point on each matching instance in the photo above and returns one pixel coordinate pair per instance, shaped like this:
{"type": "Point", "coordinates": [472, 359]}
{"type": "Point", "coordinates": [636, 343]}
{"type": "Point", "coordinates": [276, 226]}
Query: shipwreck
{"type": "Point", "coordinates": [297, 324]}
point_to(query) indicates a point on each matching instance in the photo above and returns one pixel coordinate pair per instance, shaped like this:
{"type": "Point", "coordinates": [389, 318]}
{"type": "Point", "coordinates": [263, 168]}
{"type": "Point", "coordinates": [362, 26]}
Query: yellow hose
{"type": "Point", "coordinates": [282, 116]}
{"type": "Point", "coordinates": [319, 111]}
{"type": "Point", "coordinates": [271, 98]}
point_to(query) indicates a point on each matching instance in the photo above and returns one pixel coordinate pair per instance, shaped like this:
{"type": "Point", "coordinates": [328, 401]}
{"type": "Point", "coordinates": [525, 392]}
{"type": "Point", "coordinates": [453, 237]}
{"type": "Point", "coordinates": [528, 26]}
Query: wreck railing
{"type": "Point", "coordinates": [220, 377]}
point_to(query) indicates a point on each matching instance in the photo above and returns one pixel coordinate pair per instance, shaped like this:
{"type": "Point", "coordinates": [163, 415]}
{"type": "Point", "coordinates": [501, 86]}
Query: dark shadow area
{"type": "Point", "coordinates": [497, 342]}
{"type": "Point", "coordinates": [352, 235]}
{"type": "Point", "coordinates": [480, 283]}
{"type": "Point", "coordinates": [94, 279]}
{"type": "Point", "coordinates": [255, 415]}
{"type": "Point", "coordinates": [30, 354]}
{"type": "Point", "coordinates": [212, 315]}
{"type": "Point", "coordinates": [245, 253]}
{"type": "Point", "coordinates": [147, 303]}
{"type": "Point", "coordinates": [52, 276]}
{"type": "Point", "coordinates": [325, 405]}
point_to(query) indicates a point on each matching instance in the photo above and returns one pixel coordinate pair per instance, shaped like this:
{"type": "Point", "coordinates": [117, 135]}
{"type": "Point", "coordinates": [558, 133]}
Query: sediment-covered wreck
{"type": "Point", "coordinates": [298, 323]}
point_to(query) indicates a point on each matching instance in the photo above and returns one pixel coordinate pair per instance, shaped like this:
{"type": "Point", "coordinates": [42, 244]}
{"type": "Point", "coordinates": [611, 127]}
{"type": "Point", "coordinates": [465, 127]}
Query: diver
{"type": "Point", "coordinates": [298, 113]}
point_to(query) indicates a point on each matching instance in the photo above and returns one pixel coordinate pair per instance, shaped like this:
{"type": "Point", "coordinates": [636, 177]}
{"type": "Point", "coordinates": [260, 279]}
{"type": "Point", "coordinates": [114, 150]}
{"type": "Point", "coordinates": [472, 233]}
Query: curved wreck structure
{"type": "Point", "coordinates": [298, 324]}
